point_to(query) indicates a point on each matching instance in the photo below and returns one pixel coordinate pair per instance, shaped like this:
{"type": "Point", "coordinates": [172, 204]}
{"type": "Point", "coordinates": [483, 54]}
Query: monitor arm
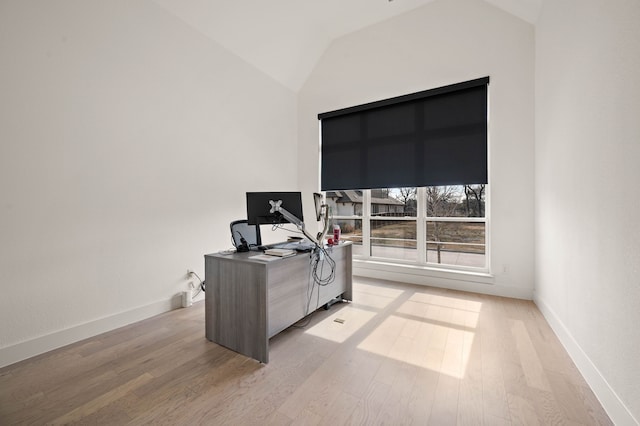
{"type": "Point", "coordinates": [276, 206]}
{"type": "Point", "coordinates": [326, 213]}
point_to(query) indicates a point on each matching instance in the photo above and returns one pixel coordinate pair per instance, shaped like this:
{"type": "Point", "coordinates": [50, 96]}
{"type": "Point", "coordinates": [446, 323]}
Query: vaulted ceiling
{"type": "Point", "coordinates": [285, 38]}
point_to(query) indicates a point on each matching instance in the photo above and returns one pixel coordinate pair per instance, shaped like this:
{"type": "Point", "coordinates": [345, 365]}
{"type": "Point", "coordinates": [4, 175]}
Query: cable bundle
{"type": "Point", "coordinates": [319, 257]}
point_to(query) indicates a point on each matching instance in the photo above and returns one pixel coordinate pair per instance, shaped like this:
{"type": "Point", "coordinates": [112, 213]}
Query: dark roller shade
{"type": "Point", "coordinates": [430, 138]}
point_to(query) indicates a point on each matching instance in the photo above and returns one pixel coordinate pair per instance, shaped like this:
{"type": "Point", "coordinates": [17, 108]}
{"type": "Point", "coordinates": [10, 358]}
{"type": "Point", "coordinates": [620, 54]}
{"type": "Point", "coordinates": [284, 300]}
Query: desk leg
{"type": "Point", "coordinates": [236, 307]}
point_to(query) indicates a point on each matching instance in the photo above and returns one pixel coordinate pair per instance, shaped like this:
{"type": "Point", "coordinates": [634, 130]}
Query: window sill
{"type": "Point", "coordinates": [366, 266]}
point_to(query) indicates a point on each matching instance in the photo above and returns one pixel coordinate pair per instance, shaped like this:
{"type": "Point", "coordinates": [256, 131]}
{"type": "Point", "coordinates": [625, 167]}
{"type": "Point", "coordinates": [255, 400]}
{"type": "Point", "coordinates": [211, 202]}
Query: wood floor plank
{"type": "Point", "coordinates": [547, 408]}
{"type": "Point", "coordinates": [592, 406]}
{"type": "Point", "coordinates": [278, 419]}
{"type": "Point", "coordinates": [531, 365]}
{"type": "Point", "coordinates": [469, 410]}
{"type": "Point", "coordinates": [445, 405]}
{"type": "Point", "coordinates": [368, 408]}
{"type": "Point", "coordinates": [102, 401]}
{"type": "Point", "coordinates": [343, 406]}
{"type": "Point", "coordinates": [394, 407]}
{"type": "Point", "coordinates": [405, 354]}
{"type": "Point", "coordinates": [307, 418]}
{"type": "Point", "coordinates": [361, 372]}
{"type": "Point", "coordinates": [522, 410]}
{"type": "Point", "coordinates": [417, 352]}
{"type": "Point", "coordinates": [494, 395]}
{"type": "Point", "coordinates": [470, 399]}
{"type": "Point", "coordinates": [421, 397]}
{"type": "Point", "coordinates": [572, 407]}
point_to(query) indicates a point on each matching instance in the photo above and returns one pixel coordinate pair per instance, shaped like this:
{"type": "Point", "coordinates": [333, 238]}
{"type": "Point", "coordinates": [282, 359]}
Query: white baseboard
{"type": "Point", "coordinates": [39, 345]}
{"type": "Point", "coordinates": [615, 408]}
{"type": "Point", "coordinates": [462, 281]}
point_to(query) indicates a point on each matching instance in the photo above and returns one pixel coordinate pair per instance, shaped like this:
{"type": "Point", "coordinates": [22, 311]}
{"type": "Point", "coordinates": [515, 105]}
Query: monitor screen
{"type": "Point", "coordinates": [258, 207]}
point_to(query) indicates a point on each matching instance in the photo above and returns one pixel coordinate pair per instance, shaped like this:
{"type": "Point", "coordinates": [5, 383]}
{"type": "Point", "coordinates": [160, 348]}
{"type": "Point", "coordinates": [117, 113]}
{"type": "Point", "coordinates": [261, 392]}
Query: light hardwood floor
{"type": "Point", "coordinates": [402, 355]}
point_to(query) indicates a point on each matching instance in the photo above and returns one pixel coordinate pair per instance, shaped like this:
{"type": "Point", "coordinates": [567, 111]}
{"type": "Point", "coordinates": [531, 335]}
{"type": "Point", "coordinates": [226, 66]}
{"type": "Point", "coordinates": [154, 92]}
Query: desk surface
{"type": "Point", "coordinates": [247, 255]}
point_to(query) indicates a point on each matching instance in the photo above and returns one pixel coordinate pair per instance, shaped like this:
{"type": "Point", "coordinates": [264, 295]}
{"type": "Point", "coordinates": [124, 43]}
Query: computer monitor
{"type": "Point", "coordinates": [259, 208]}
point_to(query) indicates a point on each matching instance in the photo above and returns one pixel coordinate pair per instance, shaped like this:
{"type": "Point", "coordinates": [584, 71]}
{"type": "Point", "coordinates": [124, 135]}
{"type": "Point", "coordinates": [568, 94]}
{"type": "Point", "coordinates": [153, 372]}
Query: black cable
{"type": "Point", "coordinates": [277, 226]}
{"type": "Point", "coordinates": [201, 285]}
{"type": "Point", "coordinates": [318, 257]}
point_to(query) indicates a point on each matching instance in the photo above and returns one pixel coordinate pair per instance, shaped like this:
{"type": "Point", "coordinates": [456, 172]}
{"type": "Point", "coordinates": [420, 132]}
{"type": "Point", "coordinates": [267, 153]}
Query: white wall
{"type": "Point", "coordinates": [127, 142]}
{"type": "Point", "coordinates": [442, 43]}
{"type": "Point", "coordinates": [587, 170]}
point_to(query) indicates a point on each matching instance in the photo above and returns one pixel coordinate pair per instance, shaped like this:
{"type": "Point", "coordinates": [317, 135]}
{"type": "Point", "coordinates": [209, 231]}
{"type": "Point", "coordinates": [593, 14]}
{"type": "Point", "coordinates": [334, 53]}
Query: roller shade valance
{"type": "Point", "coordinates": [429, 138]}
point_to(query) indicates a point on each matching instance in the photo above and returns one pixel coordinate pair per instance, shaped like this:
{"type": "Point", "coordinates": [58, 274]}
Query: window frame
{"type": "Point", "coordinates": [421, 219]}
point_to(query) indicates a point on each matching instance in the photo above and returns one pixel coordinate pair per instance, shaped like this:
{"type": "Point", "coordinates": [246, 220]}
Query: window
{"type": "Point", "coordinates": [346, 209]}
{"type": "Point", "coordinates": [438, 226]}
{"type": "Point", "coordinates": [407, 177]}
{"type": "Point", "coordinates": [393, 223]}
{"type": "Point", "coordinates": [456, 225]}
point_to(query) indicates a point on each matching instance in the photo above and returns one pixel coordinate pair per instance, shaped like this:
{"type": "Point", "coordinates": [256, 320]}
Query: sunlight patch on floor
{"type": "Point", "coordinates": [375, 296]}
{"type": "Point", "coordinates": [429, 331]}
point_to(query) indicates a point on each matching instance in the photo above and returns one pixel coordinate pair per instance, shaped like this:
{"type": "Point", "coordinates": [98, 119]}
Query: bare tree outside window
{"type": "Point", "coordinates": [474, 200]}
{"type": "Point", "coordinates": [442, 201]}
{"type": "Point", "coordinates": [407, 196]}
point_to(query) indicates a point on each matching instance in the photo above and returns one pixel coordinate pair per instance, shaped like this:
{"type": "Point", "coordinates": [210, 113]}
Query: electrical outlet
{"type": "Point", "coordinates": [187, 299]}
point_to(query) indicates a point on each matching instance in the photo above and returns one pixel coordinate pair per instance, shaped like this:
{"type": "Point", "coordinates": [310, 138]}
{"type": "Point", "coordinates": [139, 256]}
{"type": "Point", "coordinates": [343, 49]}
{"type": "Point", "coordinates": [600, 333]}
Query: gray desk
{"type": "Point", "coordinates": [248, 301]}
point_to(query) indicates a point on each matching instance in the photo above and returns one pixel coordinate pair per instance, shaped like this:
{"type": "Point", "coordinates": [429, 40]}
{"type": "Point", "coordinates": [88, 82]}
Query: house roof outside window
{"type": "Point", "coordinates": [355, 197]}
